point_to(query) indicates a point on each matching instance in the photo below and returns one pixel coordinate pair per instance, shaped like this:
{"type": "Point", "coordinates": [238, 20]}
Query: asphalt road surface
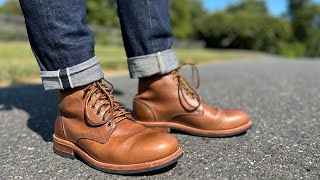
{"type": "Point", "coordinates": [282, 98]}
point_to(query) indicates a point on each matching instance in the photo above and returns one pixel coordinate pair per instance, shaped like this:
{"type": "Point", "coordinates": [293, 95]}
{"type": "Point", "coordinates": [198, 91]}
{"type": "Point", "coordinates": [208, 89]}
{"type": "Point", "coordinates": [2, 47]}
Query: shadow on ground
{"type": "Point", "coordinates": [40, 105]}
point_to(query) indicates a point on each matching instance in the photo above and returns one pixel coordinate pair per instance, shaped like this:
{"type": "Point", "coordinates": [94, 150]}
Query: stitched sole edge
{"type": "Point", "coordinates": [117, 169]}
{"type": "Point", "coordinates": [199, 132]}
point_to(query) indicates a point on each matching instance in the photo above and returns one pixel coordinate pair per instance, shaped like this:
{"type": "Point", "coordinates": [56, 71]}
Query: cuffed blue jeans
{"type": "Point", "coordinates": [63, 43]}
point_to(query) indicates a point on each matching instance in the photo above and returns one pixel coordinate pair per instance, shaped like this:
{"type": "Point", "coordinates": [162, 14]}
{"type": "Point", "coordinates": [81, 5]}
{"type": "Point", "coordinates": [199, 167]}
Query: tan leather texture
{"type": "Point", "coordinates": [93, 123]}
{"type": "Point", "coordinates": [169, 101]}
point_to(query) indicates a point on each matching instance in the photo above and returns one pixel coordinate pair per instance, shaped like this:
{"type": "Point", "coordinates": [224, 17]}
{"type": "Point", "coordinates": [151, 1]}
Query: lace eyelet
{"type": "Point", "coordinates": [109, 124]}
{"type": "Point", "coordinates": [92, 107]}
{"type": "Point", "coordinates": [97, 113]}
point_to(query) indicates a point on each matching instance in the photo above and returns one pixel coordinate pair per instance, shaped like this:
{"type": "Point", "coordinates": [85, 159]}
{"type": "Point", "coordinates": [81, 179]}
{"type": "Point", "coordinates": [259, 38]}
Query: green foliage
{"type": "Point", "coordinates": [249, 6]}
{"type": "Point", "coordinates": [312, 43]}
{"type": "Point", "coordinates": [304, 16]}
{"type": "Point", "coordinates": [295, 6]}
{"type": "Point", "coordinates": [305, 20]}
{"type": "Point", "coordinates": [102, 12]}
{"type": "Point", "coordinates": [245, 25]}
{"type": "Point", "coordinates": [11, 7]}
{"type": "Point", "coordinates": [300, 15]}
{"type": "Point", "coordinates": [101, 38]}
{"type": "Point", "coordinates": [184, 14]}
{"type": "Point", "coordinates": [245, 31]}
{"type": "Point", "coordinates": [18, 64]}
{"type": "Point", "coordinates": [180, 18]}
{"type": "Point", "coordinates": [291, 49]}
{"type": "Point", "coordinates": [184, 17]}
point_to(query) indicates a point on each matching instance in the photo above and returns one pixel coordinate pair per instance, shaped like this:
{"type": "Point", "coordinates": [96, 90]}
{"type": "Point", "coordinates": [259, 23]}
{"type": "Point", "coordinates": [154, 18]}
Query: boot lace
{"type": "Point", "coordinates": [184, 85]}
{"type": "Point", "coordinates": [114, 111]}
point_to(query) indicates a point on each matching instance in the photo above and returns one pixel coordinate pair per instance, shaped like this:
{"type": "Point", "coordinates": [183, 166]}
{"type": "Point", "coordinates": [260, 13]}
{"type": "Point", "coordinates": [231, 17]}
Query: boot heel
{"type": "Point", "coordinates": [161, 129]}
{"type": "Point", "coordinates": [63, 151]}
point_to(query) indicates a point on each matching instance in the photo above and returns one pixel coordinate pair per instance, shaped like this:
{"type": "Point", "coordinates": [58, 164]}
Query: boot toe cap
{"type": "Point", "coordinates": [154, 145]}
{"type": "Point", "coordinates": [236, 118]}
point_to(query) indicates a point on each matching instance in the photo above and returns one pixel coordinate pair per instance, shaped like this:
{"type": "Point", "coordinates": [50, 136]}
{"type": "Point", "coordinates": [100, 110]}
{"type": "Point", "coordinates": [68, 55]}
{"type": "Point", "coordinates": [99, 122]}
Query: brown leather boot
{"type": "Point", "coordinates": [169, 102]}
{"type": "Point", "coordinates": [92, 124]}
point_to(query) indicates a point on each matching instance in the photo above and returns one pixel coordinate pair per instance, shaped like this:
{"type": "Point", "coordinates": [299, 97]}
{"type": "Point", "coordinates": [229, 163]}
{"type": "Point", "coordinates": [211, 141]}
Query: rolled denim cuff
{"type": "Point", "coordinates": [158, 63]}
{"type": "Point", "coordinates": [71, 77]}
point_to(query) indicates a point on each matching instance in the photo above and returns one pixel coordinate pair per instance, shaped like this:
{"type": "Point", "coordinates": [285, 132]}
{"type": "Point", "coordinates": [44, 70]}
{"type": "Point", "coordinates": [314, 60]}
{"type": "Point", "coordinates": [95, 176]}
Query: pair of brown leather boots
{"type": "Point", "coordinates": [92, 124]}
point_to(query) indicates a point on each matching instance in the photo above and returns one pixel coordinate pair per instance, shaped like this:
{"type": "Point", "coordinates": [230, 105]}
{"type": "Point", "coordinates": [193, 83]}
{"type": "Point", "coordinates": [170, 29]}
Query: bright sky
{"type": "Point", "coordinates": [276, 7]}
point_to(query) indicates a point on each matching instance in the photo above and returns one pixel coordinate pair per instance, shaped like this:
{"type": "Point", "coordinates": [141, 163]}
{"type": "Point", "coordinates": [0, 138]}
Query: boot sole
{"type": "Point", "coordinates": [167, 126]}
{"type": "Point", "coordinates": [68, 149]}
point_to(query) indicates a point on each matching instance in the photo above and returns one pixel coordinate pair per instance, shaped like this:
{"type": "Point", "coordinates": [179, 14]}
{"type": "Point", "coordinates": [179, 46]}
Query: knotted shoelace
{"type": "Point", "coordinates": [104, 94]}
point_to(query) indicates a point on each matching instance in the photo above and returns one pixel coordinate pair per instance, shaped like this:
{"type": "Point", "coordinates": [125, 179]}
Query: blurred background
{"type": "Point", "coordinates": [205, 30]}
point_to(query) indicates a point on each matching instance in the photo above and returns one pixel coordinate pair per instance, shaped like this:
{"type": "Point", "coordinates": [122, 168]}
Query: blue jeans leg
{"type": "Point", "coordinates": [62, 42]}
{"type": "Point", "coordinates": [147, 35]}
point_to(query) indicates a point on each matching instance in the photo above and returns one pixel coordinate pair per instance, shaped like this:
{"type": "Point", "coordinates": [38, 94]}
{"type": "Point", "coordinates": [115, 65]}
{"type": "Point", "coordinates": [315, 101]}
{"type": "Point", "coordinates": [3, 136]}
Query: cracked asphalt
{"type": "Point", "coordinates": [281, 96]}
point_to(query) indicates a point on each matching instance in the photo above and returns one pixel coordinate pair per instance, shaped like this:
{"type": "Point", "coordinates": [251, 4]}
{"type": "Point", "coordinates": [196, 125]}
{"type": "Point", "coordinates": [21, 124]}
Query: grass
{"type": "Point", "coordinates": [18, 64]}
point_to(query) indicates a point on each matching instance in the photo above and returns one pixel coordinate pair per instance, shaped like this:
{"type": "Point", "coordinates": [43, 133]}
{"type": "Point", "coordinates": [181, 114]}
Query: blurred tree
{"type": "Point", "coordinates": [300, 15]}
{"type": "Point", "coordinates": [295, 6]}
{"type": "Point", "coordinates": [249, 6]}
{"type": "Point", "coordinates": [185, 15]}
{"type": "Point", "coordinates": [305, 21]}
{"type": "Point", "coordinates": [312, 44]}
{"type": "Point", "coordinates": [11, 7]}
{"type": "Point", "coordinates": [102, 12]}
{"type": "Point", "coordinates": [246, 25]}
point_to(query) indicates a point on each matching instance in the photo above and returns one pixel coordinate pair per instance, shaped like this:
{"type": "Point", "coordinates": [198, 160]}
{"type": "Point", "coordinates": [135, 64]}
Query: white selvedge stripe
{"type": "Point", "coordinates": [69, 78]}
{"type": "Point", "coordinates": [160, 63]}
{"type": "Point", "coordinates": [60, 79]}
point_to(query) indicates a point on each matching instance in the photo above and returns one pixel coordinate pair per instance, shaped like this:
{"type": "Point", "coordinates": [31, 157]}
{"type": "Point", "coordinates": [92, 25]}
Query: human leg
{"type": "Point", "coordinates": [90, 121]}
{"type": "Point", "coordinates": [165, 100]}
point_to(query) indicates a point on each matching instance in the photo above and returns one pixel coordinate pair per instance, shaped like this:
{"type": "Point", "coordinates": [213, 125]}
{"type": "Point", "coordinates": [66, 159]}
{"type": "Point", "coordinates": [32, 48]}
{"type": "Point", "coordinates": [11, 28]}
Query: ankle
{"type": "Point", "coordinates": [145, 82]}
{"type": "Point", "coordinates": [66, 92]}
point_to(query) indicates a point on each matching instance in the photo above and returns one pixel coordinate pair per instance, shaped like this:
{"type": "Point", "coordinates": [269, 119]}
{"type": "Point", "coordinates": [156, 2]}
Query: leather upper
{"type": "Point", "coordinates": [91, 118]}
{"type": "Point", "coordinates": [171, 99]}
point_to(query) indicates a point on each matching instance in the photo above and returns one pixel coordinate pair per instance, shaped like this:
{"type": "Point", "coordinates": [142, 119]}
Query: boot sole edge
{"type": "Point", "coordinates": [198, 132]}
{"type": "Point", "coordinates": [114, 168]}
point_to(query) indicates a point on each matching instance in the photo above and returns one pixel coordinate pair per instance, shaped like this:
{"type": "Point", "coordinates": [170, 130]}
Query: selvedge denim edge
{"type": "Point", "coordinates": [157, 63]}
{"type": "Point", "coordinates": [71, 77]}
